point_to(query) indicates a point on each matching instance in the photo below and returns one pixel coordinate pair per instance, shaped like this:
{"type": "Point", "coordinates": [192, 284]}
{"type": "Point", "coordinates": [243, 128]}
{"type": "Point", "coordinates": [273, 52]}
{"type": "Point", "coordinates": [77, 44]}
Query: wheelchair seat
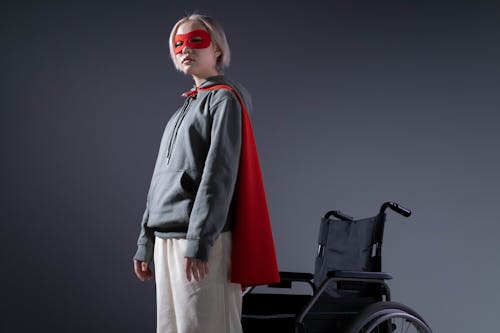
{"type": "Point", "coordinates": [349, 292]}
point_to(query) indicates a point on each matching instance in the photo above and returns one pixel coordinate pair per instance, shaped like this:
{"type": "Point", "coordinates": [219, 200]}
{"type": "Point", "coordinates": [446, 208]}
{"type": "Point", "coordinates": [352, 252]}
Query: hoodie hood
{"type": "Point", "coordinates": [222, 79]}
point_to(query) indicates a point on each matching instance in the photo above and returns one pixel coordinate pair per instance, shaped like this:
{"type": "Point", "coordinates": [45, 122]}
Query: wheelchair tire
{"type": "Point", "coordinates": [388, 317]}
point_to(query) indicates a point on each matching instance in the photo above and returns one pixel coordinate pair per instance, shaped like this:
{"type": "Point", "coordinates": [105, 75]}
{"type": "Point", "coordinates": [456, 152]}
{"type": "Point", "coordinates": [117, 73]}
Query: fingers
{"type": "Point", "coordinates": [142, 270]}
{"type": "Point", "coordinates": [195, 268]}
{"type": "Point", "coordinates": [137, 270]}
{"type": "Point", "coordinates": [202, 269]}
{"type": "Point", "coordinates": [136, 265]}
{"type": "Point", "coordinates": [196, 271]}
{"type": "Point", "coordinates": [187, 268]}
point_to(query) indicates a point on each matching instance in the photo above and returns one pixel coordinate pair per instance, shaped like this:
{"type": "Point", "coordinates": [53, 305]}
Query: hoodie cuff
{"type": "Point", "coordinates": [197, 248]}
{"type": "Point", "coordinates": [144, 253]}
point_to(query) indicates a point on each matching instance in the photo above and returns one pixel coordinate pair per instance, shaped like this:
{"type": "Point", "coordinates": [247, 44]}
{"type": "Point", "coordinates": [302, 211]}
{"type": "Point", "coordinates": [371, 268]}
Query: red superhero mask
{"type": "Point", "coordinates": [196, 39]}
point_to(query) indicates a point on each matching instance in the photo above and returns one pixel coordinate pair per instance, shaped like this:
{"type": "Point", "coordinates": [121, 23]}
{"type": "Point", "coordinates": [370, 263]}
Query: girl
{"type": "Point", "coordinates": [205, 172]}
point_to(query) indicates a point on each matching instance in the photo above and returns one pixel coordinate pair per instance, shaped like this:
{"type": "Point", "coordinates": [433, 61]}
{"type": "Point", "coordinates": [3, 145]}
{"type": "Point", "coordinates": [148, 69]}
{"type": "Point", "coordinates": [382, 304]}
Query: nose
{"type": "Point", "coordinates": [186, 49]}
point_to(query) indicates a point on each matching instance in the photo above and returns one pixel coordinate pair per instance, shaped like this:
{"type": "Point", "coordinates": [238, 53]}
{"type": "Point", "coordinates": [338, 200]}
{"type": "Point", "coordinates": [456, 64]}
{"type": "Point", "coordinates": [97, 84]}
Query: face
{"type": "Point", "coordinates": [195, 53]}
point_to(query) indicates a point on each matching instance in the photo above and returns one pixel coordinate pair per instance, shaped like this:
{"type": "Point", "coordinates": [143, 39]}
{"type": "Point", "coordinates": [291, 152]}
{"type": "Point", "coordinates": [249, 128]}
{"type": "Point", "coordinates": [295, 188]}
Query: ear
{"type": "Point", "coordinates": [218, 52]}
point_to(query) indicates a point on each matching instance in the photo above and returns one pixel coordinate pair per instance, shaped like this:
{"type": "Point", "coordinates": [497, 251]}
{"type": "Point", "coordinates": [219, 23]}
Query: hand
{"type": "Point", "coordinates": [142, 270]}
{"type": "Point", "coordinates": [195, 268]}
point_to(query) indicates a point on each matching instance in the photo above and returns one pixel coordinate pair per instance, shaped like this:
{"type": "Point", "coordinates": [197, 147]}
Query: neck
{"type": "Point", "coordinates": [199, 79]}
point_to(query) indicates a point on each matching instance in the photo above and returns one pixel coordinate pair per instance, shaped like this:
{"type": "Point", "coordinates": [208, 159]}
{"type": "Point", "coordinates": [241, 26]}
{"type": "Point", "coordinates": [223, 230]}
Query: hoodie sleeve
{"type": "Point", "coordinates": [215, 192]}
{"type": "Point", "coordinates": [145, 242]}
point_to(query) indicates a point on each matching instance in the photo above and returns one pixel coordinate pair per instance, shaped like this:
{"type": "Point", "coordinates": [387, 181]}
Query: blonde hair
{"type": "Point", "coordinates": [216, 33]}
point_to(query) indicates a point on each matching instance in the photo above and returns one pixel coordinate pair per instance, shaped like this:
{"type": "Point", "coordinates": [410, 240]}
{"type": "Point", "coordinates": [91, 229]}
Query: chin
{"type": "Point", "coordinates": [188, 70]}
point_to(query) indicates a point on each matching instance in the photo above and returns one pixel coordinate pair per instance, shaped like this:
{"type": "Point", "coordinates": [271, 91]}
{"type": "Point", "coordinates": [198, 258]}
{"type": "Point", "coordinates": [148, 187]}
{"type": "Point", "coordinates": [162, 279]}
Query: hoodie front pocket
{"type": "Point", "coordinates": [169, 201]}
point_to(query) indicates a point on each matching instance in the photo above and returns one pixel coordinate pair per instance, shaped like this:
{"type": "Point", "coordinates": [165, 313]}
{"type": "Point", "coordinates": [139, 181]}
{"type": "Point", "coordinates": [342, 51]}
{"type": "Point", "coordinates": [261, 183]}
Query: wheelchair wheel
{"type": "Point", "coordinates": [388, 317]}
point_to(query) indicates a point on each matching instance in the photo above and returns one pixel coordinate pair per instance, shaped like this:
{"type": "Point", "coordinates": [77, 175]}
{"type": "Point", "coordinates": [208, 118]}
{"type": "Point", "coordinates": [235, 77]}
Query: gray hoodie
{"type": "Point", "coordinates": [192, 186]}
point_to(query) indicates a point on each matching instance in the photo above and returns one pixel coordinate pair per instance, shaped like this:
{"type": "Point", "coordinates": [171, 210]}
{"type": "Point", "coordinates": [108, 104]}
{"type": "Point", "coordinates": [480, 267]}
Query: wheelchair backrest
{"type": "Point", "coordinates": [349, 245]}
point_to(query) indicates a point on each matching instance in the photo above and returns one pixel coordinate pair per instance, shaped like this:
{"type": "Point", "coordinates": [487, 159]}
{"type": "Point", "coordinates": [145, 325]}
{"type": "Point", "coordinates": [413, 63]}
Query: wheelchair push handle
{"type": "Point", "coordinates": [395, 207]}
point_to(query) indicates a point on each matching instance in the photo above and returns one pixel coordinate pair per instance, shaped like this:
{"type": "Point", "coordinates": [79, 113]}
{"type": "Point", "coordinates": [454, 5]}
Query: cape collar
{"type": "Point", "coordinates": [210, 81]}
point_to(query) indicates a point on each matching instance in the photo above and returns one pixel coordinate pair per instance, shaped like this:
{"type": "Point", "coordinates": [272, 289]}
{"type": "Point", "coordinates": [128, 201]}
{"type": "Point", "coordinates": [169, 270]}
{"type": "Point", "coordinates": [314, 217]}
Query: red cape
{"type": "Point", "coordinates": [253, 257]}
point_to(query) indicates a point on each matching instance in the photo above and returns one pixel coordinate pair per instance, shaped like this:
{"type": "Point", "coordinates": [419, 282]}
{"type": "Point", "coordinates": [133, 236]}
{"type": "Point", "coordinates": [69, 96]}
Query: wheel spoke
{"type": "Point", "coordinates": [407, 322]}
{"type": "Point", "coordinates": [389, 317]}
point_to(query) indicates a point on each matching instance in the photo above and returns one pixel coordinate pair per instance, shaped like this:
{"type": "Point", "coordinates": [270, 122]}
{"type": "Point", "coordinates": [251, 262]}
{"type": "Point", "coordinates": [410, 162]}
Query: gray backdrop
{"type": "Point", "coordinates": [356, 103]}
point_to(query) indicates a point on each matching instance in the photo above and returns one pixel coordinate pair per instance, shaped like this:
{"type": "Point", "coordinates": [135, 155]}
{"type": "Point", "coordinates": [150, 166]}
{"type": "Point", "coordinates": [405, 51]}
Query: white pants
{"type": "Point", "coordinates": [212, 305]}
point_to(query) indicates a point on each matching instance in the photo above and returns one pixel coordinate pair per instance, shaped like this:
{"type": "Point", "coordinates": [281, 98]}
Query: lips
{"type": "Point", "coordinates": [186, 60]}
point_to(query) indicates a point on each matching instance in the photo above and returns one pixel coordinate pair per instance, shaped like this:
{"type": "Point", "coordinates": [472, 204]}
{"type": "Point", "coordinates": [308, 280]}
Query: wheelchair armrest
{"type": "Point", "coordinates": [286, 279]}
{"type": "Point", "coordinates": [358, 275]}
{"type": "Point", "coordinates": [296, 276]}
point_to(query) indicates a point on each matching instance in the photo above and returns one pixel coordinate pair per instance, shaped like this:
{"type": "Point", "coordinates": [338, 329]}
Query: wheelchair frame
{"type": "Point", "coordinates": [377, 316]}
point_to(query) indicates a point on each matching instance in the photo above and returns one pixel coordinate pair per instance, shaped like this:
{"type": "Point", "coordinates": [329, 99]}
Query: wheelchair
{"type": "Point", "coordinates": [349, 292]}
